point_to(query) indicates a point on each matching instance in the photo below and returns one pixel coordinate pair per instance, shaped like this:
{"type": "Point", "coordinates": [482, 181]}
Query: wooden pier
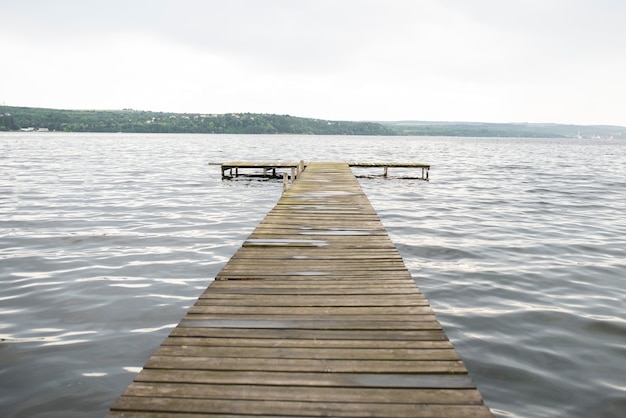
{"type": "Point", "coordinates": [385, 166]}
{"type": "Point", "coordinates": [268, 168]}
{"type": "Point", "coordinates": [233, 169]}
{"type": "Point", "coordinates": [316, 315]}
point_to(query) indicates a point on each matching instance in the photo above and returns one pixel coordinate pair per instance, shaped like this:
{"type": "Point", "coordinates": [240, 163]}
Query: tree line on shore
{"type": "Point", "coordinates": [139, 121]}
{"type": "Point", "coordinates": [136, 121]}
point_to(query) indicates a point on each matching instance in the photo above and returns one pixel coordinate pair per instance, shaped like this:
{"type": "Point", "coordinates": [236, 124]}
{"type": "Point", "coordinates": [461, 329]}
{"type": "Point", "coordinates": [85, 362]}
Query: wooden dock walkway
{"type": "Point", "coordinates": [316, 315]}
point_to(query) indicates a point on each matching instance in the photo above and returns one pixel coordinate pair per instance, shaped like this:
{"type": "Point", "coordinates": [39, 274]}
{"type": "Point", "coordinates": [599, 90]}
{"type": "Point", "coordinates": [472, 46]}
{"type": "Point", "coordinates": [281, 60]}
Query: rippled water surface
{"type": "Point", "coordinates": [107, 240]}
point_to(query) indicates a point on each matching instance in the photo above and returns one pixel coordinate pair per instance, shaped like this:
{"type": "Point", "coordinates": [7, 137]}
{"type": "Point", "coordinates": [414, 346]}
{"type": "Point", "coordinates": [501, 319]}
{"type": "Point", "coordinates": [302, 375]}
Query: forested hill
{"type": "Point", "coordinates": [137, 121]}
{"type": "Point", "coordinates": [519, 130]}
{"type": "Point", "coordinates": [16, 118]}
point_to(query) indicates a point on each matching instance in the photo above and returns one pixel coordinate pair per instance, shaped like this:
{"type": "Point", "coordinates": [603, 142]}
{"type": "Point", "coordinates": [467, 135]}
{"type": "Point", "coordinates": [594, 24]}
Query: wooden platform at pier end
{"type": "Point", "coordinates": [268, 168]}
{"type": "Point", "coordinates": [232, 169]}
{"type": "Point", "coordinates": [316, 315]}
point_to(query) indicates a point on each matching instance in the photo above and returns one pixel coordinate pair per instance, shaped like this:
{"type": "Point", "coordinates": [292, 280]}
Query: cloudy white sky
{"type": "Point", "coordinates": [558, 61]}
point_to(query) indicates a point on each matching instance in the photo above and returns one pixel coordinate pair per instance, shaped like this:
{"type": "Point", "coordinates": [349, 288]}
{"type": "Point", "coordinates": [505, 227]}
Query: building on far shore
{"type": "Point", "coordinates": [31, 129]}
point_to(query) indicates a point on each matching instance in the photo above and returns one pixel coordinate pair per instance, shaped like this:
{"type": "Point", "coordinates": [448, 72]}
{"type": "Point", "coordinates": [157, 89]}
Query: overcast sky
{"type": "Point", "coordinates": [560, 61]}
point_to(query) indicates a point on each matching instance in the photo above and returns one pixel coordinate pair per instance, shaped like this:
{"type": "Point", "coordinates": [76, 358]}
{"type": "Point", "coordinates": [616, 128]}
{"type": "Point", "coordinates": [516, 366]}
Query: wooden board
{"type": "Point", "coordinates": [315, 315]}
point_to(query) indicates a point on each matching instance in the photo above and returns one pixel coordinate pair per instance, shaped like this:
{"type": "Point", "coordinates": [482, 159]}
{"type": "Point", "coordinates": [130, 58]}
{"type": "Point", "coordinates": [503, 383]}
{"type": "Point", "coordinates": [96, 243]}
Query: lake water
{"type": "Point", "coordinates": [107, 240]}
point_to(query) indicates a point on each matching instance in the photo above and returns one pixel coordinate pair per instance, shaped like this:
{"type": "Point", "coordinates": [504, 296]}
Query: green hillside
{"type": "Point", "coordinates": [137, 121]}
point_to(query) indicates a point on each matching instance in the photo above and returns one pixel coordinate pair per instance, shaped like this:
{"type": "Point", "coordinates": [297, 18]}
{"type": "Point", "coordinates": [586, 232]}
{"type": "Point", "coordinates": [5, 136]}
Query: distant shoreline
{"type": "Point", "coordinates": [32, 119]}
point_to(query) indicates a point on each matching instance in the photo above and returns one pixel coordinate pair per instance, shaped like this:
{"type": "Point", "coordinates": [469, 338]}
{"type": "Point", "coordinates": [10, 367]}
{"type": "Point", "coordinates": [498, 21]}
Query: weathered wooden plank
{"type": "Point", "coordinates": [321, 287]}
{"type": "Point", "coordinates": [191, 329]}
{"type": "Point", "coordinates": [318, 379]}
{"type": "Point", "coordinates": [307, 276]}
{"type": "Point", "coordinates": [312, 274]}
{"type": "Point", "coordinates": [322, 269]}
{"type": "Point", "coordinates": [308, 265]}
{"type": "Point", "coordinates": [308, 324]}
{"type": "Point", "coordinates": [388, 311]}
{"type": "Point", "coordinates": [326, 232]}
{"type": "Point", "coordinates": [311, 300]}
{"type": "Point", "coordinates": [408, 354]}
{"type": "Point", "coordinates": [295, 265]}
{"type": "Point", "coordinates": [320, 255]}
{"type": "Point", "coordinates": [305, 365]}
{"type": "Point", "coordinates": [344, 218]}
{"type": "Point", "coordinates": [289, 219]}
{"type": "Point", "coordinates": [298, 287]}
{"type": "Point", "coordinates": [347, 263]}
{"type": "Point", "coordinates": [338, 286]}
{"type": "Point", "coordinates": [307, 343]}
{"type": "Point", "coordinates": [298, 317]}
{"type": "Point", "coordinates": [336, 281]}
{"type": "Point", "coordinates": [285, 253]}
{"type": "Point", "coordinates": [405, 164]}
{"type": "Point", "coordinates": [318, 272]}
{"type": "Point", "coordinates": [305, 394]}
{"type": "Point", "coordinates": [259, 164]}
{"type": "Point", "coordinates": [288, 241]}
{"type": "Point", "coordinates": [295, 408]}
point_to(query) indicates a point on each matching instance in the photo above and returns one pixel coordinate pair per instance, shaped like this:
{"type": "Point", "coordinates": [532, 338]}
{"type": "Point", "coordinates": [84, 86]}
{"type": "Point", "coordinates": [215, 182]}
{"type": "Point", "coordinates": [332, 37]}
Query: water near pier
{"type": "Point", "coordinates": [107, 240]}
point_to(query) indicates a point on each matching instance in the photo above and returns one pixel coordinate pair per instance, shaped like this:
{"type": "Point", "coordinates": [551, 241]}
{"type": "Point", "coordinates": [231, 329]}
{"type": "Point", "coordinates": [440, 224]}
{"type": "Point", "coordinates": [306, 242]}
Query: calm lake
{"type": "Point", "coordinates": [106, 240]}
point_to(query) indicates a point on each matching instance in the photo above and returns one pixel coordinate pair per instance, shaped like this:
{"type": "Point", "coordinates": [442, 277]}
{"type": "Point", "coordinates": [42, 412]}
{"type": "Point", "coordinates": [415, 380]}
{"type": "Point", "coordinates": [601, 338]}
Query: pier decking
{"type": "Point", "coordinates": [315, 315]}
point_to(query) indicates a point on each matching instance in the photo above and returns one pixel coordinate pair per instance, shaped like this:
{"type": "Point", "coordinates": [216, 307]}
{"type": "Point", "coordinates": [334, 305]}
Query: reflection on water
{"type": "Point", "coordinates": [107, 240]}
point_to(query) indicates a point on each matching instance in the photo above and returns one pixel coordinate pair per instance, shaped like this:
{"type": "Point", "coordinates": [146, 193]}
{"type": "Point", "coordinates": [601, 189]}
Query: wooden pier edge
{"type": "Point", "coordinates": [315, 315]}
